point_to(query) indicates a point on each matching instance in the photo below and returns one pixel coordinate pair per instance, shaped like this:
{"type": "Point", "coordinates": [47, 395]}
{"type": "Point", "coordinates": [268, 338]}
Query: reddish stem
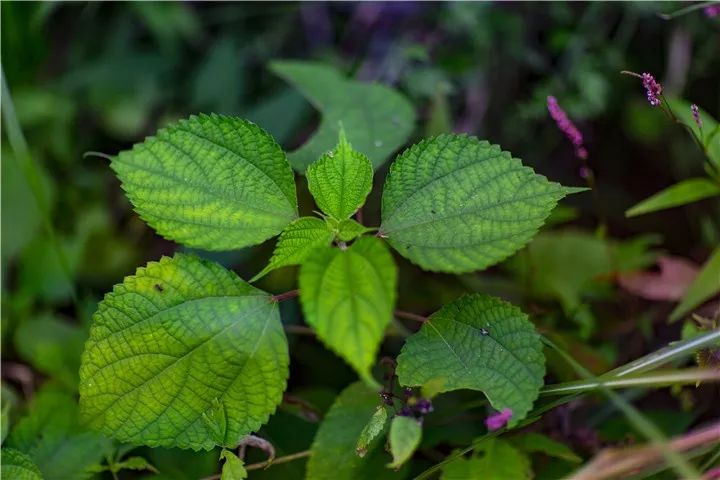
{"type": "Point", "coordinates": [285, 296]}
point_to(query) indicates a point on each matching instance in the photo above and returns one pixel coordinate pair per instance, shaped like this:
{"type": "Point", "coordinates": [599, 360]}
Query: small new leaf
{"type": "Point", "coordinates": [372, 429]}
{"type": "Point", "coordinates": [340, 180]}
{"type": "Point", "coordinates": [456, 204]}
{"type": "Point", "coordinates": [481, 343]}
{"type": "Point", "coordinates": [178, 348]}
{"type": "Point", "coordinates": [349, 229]}
{"type": "Point", "coordinates": [233, 468]}
{"type": "Point", "coordinates": [348, 297]}
{"type": "Point", "coordinates": [405, 435]}
{"type": "Point", "coordinates": [212, 182]}
{"type": "Point", "coordinates": [296, 242]}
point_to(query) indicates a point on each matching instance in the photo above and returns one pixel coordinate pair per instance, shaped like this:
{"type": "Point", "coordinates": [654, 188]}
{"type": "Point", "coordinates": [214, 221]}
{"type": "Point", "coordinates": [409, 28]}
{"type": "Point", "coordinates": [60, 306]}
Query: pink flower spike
{"type": "Point", "coordinates": [712, 11]}
{"type": "Point", "coordinates": [653, 89]}
{"type": "Point", "coordinates": [498, 420]}
{"type": "Point", "coordinates": [696, 115]}
{"type": "Point", "coordinates": [567, 127]}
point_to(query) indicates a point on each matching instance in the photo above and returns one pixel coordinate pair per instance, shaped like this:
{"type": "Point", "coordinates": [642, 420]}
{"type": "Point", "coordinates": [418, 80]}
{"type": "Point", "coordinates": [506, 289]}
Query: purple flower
{"type": "Point", "coordinates": [652, 88]}
{"type": "Point", "coordinates": [423, 406]}
{"type": "Point", "coordinates": [498, 420]}
{"type": "Point", "coordinates": [696, 115]}
{"type": "Point", "coordinates": [567, 127]}
{"type": "Point", "coordinates": [712, 11]}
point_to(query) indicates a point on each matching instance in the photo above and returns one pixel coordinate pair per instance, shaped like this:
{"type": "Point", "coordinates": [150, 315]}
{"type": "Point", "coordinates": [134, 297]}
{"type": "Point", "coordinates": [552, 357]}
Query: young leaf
{"type": "Point", "coordinates": [480, 343]}
{"type": "Point", "coordinates": [349, 229]}
{"type": "Point", "coordinates": [348, 298]}
{"type": "Point", "coordinates": [500, 461]}
{"type": "Point", "coordinates": [333, 450]}
{"type": "Point", "coordinates": [340, 180]}
{"type": "Point", "coordinates": [296, 242]}
{"type": "Point", "coordinates": [454, 203]}
{"type": "Point", "coordinates": [210, 182]}
{"type": "Point", "coordinates": [706, 285]}
{"type": "Point", "coordinates": [532, 442]}
{"type": "Point", "coordinates": [184, 353]}
{"type": "Point", "coordinates": [681, 193]}
{"type": "Point", "coordinates": [405, 435]}
{"type": "Point", "coordinates": [378, 119]}
{"type": "Point", "coordinates": [371, 430]}
{"type": "Point", "coordinates": [233, 468]}
{"type": "Point", "coordinates": [18, 466]}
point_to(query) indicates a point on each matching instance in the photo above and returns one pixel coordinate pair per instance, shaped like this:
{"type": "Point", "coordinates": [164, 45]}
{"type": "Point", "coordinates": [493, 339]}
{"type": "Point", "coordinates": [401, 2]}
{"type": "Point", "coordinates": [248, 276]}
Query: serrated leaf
{"type": "Point", "coordinates": [682, 193]}
{"type": "Point", "coordinates": [481, 343]}
{"type": "Point", "coordinates": [212, 182]}
{"type": "Point", "coordinates": [18, 466]}
{"type": "Point", "coordinates": [349, 229]}
{"type": "Point", "coordinates": [296, 242]}
{"type": "Point", "coordinates": [378, 119]}
{"type": "Point", "coordinates": [333, 450]}
{"type": "Point", "coordinates": [340, 180]}
{"type": "Point", "coordinates": [174, 343]}
{"type": "Point", "coordinates": [405, 435]}
{"type": "Point", "coordinates": [372, 429]}
{"type": "Point", "coordinates": [499, 461]}
{"type": "Point", "coordinates": [348, 297]}
{"type": "Point", "coordinates": [532, 442]}
{"type": "Point", "coordinates": [233, 468]}
{"type": "Point", "coordinates": [705, 285]}
{"type": "Point", "coordinates": [456, 204]}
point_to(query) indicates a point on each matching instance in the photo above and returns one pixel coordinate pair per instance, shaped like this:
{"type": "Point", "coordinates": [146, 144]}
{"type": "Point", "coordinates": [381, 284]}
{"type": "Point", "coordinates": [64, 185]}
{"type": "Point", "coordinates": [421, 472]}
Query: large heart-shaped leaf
{"type": "Point", "coordinates": [211, 182]}
{"type": "Point", "coordinates": [348, 297]}
{"type": "Point", "coordinates": [183, 354]}
{"type": "Point", "coordinates": [479, 343]}
{"type": "Point", "coordinates": [454, 203]}
{"type": "Point", "coordinates": [378, 119]}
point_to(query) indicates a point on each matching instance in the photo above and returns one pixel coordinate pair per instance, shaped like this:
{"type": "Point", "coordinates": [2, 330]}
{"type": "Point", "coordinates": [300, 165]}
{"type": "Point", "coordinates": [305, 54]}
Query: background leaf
{"type": "Point", "coordinates": [706, 285]}
{"type": "Point", "coordinates": [405, 435]}
{"type": "Point", "coordinates": [454, 203]}
{"type": "Point", "coordinates": [348, 297]}
{"type": "Point", "coordinates": [211, 182]}
{"type": "Point", "coordinates": [340, 180]}
{"type": "Point", "coordinates": [682, 193]}
{"type": "Point", "coordinates": [183, 353]}
{"type": "Point", "coordinates": [16, 465]}
{"type": "Point", "coordinates": [378, 120]}
{"type": "Point", "coordinates": [500, 460]}
{"type": "Point", "coordinates": [479, 343]}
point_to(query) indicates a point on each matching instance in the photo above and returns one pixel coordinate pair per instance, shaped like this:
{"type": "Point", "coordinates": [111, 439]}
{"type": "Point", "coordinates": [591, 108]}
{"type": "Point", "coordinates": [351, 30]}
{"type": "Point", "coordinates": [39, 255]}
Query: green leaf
{"type": "Point", "coordinates": [333, 450]}
{"type": "Point", "coordinates": [537, 443]}
{"type": "Point", "coordinates": [18, 466]}
{"type": "Point", "coordinates": [500, 461]}
{"type": "Point", "coordinates": [479, 343]}
{"type": "Point", "coordinates": [405, 435]}
{"type": "Point", "coordinates": [52, 346]}
{"type": "Point", "coordinates": [705, 285]}
{"type": "Point", "coordinates": [372, 429]}
{"type": "Point", "coordinates": [379, 120]}
{"type": "Point", "coordinates": [349, 229]}
{"type": "Point", "coordinates": [184, 353]}
{"type": "Point", "coordinates": [454, 203]}
{"type": "Point", "coordinates": [348, 297]}
{"type": "Point", "coordinates": [233, 468]}
{"type": "Point", "coordinates": [210, 182]}
{"type": "Point", "coordinates": [681, 193]}
{"type": "Point", "coordinates": [296, 242]}
{"type": "Point", "coordinates": [340, 180]}
{"type": "Point", "coordinates": [708, 136]}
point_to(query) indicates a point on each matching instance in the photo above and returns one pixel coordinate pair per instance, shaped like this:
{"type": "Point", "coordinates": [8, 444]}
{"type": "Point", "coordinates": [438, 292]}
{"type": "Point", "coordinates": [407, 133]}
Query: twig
{"type": "Point", "coordinates": [299, 330]}
{"type": "Point", "coordinates": [410, 316]}
{"type": "Point", "coordinates": [285, 296]}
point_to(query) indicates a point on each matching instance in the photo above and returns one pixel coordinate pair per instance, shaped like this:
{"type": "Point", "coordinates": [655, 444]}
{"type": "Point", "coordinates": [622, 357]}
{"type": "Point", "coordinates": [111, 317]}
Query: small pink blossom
{"type": "Point", "coordinates": [712, 11]}
{"type": "Point", "coordinates": [652, 88]}
{"type": "Point", "coordinates": [567, 127]}
{"type": "Point", "coordinates": [498, 420]}
{"type": "Point", "coordinates": [696, 115]}
{"type": "Point", "coordinates": [713, 474]}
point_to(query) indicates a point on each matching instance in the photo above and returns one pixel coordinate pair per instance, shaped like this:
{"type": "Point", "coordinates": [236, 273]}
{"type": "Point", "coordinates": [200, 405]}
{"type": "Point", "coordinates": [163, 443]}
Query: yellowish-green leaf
{"type": "Point", "coordinates": [212, 182]}
{"type": "Point", "coordinates": [705, 285]}
{"type": "Point", "coordinates": [233, 468]}
{"type": "Point", "coordinates": [405, 435]}
{"type": "Point", "coordinates": [481, 343]}
{"type": "Point", "coordinates": [348, 229]}
{"type": "Point", "coordinates": [681, 193]}
{"type": "Point", "coordinates": [348, 297]}
{"type": "Point", "coordinates": [183, 354]}
{"type": "Point", "coordinates": [372, 429]}
{"type": "Point", "coordinates": [453, 203]}
{"type": "Point", "coordinates": [18, 466]}
{"type": "Point", "coordinates": [378, 119]}
{"type": "Point", "coordinates": [340, 180]}
{"type": "Point", "coordinates": [296, 242]}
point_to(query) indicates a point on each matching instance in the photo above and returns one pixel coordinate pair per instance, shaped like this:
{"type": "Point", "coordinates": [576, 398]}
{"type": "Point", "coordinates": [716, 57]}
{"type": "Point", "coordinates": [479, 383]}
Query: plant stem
{"type": "Point", "coordinates": [285, 296]}
{"type": "Point", "coordinates": [299, 330]}
{"type": "Point", "coordinates": [410, 316]}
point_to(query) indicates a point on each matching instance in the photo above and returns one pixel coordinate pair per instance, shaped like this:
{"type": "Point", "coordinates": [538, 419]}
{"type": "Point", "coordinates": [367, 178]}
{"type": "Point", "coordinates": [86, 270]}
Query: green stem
{"type": "Point", "coordinates": [685, 10]}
